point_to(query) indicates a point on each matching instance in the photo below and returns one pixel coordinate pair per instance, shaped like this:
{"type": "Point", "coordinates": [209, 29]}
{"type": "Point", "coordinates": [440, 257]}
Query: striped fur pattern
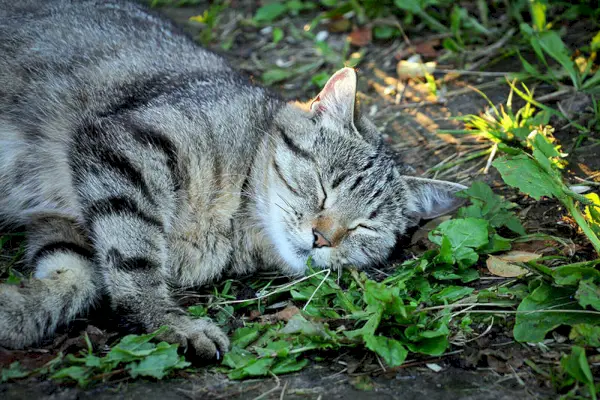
{"type": "Point", "coordinates": [140, 162]}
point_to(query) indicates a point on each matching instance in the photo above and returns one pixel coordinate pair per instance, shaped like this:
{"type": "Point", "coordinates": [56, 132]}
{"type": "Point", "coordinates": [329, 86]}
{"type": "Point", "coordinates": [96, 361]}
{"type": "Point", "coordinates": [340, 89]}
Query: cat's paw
{"type": "Point", "coordinates": [198, 337]}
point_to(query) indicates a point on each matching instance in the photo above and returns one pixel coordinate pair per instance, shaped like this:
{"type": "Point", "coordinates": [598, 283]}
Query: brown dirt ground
{"type": "Point", "coordinates": [491, 367]}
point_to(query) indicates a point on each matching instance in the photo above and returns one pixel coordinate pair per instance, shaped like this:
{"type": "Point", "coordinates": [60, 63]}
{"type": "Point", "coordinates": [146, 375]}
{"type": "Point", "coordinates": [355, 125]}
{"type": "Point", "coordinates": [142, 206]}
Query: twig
{"type": "Point", "coordinates": [317, 289]}
{"type": "Point", "coordinates": [555, 95]}
{"type": "Point", "coordinates": [278, 290]}
{"type": "Point", "coordinates": [490, 159]}
{"type": "Point", "coordinates": [380, 363]}
{"type": "Point", "coordinates": [274, 389]}
{"type": "Point", "coordinates": [467, 72]}
{"type": "Point", "coordinates": [283, 390]}
{"type": "Point", "coordinates": [421, 104]}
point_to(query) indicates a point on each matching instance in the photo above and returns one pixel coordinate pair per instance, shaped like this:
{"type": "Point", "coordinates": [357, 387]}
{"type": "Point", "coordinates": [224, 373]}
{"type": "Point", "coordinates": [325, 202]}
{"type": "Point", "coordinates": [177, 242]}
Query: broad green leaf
{"type": "Point", "coordinates": [13, 372]}
{"type": "Point", "coordinates": [498, 243]}
{"type": "Point", "coordinates": [242, 337]}
{"type": "Point", "coordinates": [464, 235]}
{"type": "Point", "coordinates": [159, 363]}
{"type": "Point", "coordinates": [538, 14]}
{"type": "Point", "coordinates": [577, 366]}
{"type": "Point", "coordinates": [540, 312]}
{"type": "Point", "coordinates": [277, 35]}
{"type": "Point", "coordinates": [586, 335]}
{"type": "Point", "coordinates": [595, 45]}
{"type": "Point", "coordinates": [588, 294]}
{"type": "Point", "coordinates": [288, 365]}
{"type": "Point", "coordinates": [446, 254]}
{"type": "Point", "coordinates": [198, 311]}
{"type": "Point", "coordinates": [412, 6]}
{"type": "Point", "coordinates": [570, 275]}
{"type": "Point", "coordinates": [430, 346]}
{"type": "Point", "coordinates": [553, 45]}
{"type": "Point", "coordinates": [238, 358]}
{"type": "Point", "coordinates": [80, 375]}
{"type": "Point", "coordinates": [525, 173]}
{"type": "Point", "coordinates": [451, 294]}
{"type": "Point", "coordinates": [392, 351]}
{"type": "Point", "coordinates": [270, 12]}
{"type": "Point", "coordinates": [257, 367]}
{"type": "Point", "coordinates": [385, 31]}
{"type": "Point", "coordinates": [276, 75]}
{"type": "Point", "coordinates": [466, 232]}
{"type": "Point", "coordinates": [491, 207]}
{"type": "Point", "coordinates": [279, 348]}
{"type": "Point", "coordinates": [429, 341]}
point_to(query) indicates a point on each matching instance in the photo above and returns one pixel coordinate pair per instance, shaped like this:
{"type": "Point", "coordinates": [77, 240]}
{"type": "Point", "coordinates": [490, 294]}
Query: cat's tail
{"type": "Point", "coordinates": [63, 288]}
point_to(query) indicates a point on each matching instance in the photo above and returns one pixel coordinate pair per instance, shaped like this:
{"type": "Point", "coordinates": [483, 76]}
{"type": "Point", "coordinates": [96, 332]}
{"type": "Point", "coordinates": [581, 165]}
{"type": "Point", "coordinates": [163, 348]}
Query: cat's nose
{"type": "Point", "coordinates": [319, 240]}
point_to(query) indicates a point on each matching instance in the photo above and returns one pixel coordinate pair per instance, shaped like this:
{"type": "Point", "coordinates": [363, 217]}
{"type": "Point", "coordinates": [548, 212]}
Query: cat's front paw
{"type": "Point", "coordinates": [198, 337]}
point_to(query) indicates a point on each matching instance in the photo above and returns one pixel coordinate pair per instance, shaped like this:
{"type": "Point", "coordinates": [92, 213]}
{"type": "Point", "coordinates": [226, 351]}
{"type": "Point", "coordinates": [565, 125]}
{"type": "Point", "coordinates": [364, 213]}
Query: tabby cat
{"type": "Point", "coordinates": [139, 162]}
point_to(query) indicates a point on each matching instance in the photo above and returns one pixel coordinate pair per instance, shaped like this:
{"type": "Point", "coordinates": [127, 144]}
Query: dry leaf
{"type": "Point", "coordinates": [361, 36]}
{"type": "Point", "coordinates": [287, 313]}
{"type": "Point", "coordinates": [414, 68]}
{"type": "Point", "coordinates": [425, 49]}
{"type": "Point", "coordinates": [434, 367]}
{"type": "Point", "coordinates": [339, 24]}
{"type": "Point", "coordinates": [504, 265]}
{"type": "Point", "coordinates": [284, 315]}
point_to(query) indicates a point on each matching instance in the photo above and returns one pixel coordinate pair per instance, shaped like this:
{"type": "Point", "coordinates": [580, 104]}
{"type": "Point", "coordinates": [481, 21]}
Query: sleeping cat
{"type": "Point", "coordinates": [139, 162]}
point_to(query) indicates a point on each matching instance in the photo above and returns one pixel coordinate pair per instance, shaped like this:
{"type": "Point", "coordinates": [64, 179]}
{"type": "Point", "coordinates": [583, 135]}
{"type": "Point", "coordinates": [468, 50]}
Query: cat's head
{"type": "Point", "coordinates": [333, 191]}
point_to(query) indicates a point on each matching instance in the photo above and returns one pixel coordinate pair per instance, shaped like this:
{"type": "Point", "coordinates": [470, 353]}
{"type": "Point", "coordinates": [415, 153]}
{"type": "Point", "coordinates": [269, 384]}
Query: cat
{"type": "Point", "coordinates": [139, 162]}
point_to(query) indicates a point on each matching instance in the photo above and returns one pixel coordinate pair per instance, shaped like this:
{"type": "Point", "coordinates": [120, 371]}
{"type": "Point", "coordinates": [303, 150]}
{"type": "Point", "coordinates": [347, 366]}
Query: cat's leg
{"type": "Point", "coordinates": [127, 191]}
{"type": "Point", "coordinates": [62, 287]}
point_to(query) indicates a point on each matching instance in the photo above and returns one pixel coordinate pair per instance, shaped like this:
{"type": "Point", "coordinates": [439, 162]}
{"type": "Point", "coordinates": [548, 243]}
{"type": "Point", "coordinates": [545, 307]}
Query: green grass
{"type": "Point", "coordinates": [429, 304]}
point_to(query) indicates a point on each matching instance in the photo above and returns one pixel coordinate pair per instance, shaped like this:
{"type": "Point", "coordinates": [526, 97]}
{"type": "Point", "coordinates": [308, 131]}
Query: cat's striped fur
{"type": "Point", "coordinates": [138, 161]}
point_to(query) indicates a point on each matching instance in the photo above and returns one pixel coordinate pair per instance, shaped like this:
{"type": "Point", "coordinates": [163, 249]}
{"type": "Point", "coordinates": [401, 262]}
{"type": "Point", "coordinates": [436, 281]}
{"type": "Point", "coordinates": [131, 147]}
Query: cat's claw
{"type": "Point", "coordinates": [200, 338]}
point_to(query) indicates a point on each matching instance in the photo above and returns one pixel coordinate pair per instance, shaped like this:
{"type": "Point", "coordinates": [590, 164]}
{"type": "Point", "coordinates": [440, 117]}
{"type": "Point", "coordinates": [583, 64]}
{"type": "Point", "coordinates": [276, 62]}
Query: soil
{"type": "Point", "coordinates": [493, 368]}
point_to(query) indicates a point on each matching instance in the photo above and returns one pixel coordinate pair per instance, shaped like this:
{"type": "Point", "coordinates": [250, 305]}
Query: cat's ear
{"type": "Point", "coordinates": [337, 100]}
{"type": "Point", "coordinates": [430, 198]}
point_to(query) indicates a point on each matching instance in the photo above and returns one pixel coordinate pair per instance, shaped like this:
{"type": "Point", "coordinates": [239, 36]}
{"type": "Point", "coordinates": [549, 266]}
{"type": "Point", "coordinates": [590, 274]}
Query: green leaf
{"type": "Point", "coordinates": [242, 337]}
{"type": "Point", "coordinates": [277, 35]}
{"type": "Point", "coordinates": [279, 348]}
{"type": "Point", "coordinates": [464, 235]}
{"type": "Point", "coordinates": [571, 275]}
{"type": "Point", "coordinates": [540, 312]}
{"type": "Point", "coordinates": [412, 6]}
{"type": "Point", "coordinates": [430, 341]}
{"type": "Point", "coordinates": [430, 346]}
{"type": "Point", "coordinates": [159, 363]}
{"type": "Point", "coordinates": [524, 173]}
{"type": "Point", "coordinates": [577, 366]}
{"type": "Point", "coordinates": [498, 243]}
{"type": "Point", "coordinates": [586, 335]}
{"type": "Point", "coordinates": [80, 375]}
{"type": "Point", "coordinates": [451, 293]}
{"type": "Point", "coordinates": [392, 351]}
{"type": "Point", "coordinates": [588, 294]}
{"type": "Point", "coordinates": [553, 45]}
{"type": "Point", "coordinates": [276, 75]}
{"type": "Point", "coordinates": [491, 207]}
{"type": "Point", "coordinates": [288, 365]}
{"type": "Point", "coordinates": [595, 44]}
{"type": "Point", "coordinates": [238, 358]}
{"type": "Point", "coordinates": [538, 14]}
{"type": "Point", "coordinates": [257, 367]}
{"type": "Point", "coordinates": [385, 31]}
{"type": "Point", "coordinates": [270, 12]}
{"type": "Point", "coordinates": [13, 372]}
{"type": "Point", "coordinates": [198, 311]}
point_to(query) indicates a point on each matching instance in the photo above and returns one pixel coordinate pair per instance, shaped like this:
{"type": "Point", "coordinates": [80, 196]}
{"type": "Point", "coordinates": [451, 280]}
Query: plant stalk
{"type": "Point", "coordinates": [574, 211]}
